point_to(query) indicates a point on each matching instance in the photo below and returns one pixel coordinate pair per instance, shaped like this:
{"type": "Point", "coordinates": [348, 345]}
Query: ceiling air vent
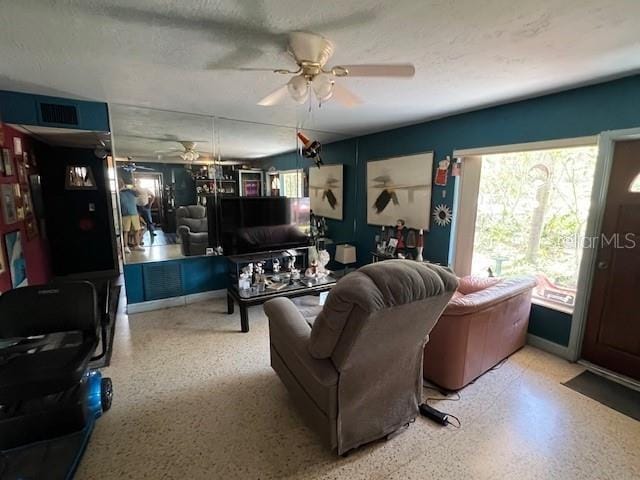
{"type": "Point", "coordinates": [59, 114]}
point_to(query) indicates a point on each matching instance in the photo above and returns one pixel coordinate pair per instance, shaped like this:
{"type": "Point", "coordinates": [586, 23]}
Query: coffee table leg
{"type": "Point", "coordinates": [230, 308]}
{"type": "Point", "coordinates": [244, 319]}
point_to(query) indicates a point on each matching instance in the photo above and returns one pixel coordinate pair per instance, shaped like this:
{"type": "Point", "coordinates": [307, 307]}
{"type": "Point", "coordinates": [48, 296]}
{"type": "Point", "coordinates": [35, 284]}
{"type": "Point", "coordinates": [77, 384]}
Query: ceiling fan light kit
{"type": "Point", "coordinates": [311, 52]}
{"type": "Point", "coordinates": [298, 88]}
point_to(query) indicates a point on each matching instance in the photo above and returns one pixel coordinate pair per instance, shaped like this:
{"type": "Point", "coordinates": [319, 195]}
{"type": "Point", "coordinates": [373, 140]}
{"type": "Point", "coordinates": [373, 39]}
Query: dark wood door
{"type": "Point", "coordinates": [612, 334]}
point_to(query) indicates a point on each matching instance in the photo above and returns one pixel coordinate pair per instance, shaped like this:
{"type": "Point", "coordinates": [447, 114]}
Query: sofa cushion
{"type": "Point", "coordinates": [487, 297]}
{"type": "Point", "coordinates": [471, 284]}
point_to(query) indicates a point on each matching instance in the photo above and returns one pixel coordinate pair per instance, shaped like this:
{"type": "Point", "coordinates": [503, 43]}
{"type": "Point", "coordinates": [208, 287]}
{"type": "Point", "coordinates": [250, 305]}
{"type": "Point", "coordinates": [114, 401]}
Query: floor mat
{"type": "Point", "coordinates": [609, 393]}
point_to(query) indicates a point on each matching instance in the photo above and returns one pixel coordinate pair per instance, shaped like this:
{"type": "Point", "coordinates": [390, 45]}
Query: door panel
{"type": "Point", "coordinates": [612, 334]}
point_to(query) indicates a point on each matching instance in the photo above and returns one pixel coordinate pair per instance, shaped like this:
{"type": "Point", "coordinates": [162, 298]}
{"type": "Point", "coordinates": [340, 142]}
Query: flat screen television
{"type": "Point", "coordinates": [258, 224]}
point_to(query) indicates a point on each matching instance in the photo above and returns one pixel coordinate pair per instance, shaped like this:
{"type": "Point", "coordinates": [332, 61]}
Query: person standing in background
{"type": "Point", "coordinates": [144, 202]}
{"type": "Point", "coordinates": [130, 218]}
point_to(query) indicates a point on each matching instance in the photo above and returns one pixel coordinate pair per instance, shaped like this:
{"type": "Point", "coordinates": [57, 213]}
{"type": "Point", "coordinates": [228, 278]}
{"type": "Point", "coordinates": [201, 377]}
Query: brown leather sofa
{"type": "Point", "coordinates": [485, 322]}
{"type": "Point", "coordinates": [355, 371]}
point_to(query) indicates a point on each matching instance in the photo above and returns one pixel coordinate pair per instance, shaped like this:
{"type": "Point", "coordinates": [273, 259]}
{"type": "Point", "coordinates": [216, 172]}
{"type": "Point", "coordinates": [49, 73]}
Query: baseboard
{"type": "Point", "coordinates": [202, 296]}
{"type": "Point", "coordinates": [174, 301]}
{"type": "Point", "coordinates": [548, 346]}
{"type": "Point", "coordinates": [613, 376]}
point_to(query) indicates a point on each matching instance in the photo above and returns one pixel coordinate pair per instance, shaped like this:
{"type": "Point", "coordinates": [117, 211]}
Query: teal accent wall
{"type": "Point", "coordinates": [573, 113]}
{"type": "Point", "coordinates": [550, 324]}
{"type": "Point", "coordinates": [22, 108]}
{"type": "Point", "coordinates": [197, 274]}
{"type": "Point", "coordinates": [345, 152]}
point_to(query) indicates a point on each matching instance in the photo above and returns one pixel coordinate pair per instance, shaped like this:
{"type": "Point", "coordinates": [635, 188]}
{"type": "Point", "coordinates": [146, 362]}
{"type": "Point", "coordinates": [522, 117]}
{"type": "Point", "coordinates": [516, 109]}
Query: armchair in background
{"type": "Point", "coordinates": [192, 229]}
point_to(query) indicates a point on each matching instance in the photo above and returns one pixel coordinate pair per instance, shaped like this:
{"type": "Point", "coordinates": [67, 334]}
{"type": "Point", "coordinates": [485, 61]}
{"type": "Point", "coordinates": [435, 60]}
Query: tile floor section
{"type": "Point", "coordinates": [196, 399]}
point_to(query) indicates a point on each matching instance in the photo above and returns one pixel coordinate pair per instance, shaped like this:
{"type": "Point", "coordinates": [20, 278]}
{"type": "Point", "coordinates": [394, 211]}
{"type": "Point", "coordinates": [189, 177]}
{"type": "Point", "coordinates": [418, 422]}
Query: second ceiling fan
{"type": "Point", "coordinates": [311, 52]}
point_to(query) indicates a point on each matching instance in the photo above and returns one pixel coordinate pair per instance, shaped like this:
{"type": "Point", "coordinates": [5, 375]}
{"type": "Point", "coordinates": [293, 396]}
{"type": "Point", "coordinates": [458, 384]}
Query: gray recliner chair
{"type": "Point", "coordinates": [193, 229]}
{"type": "Point", "coordinates": [355, 371]}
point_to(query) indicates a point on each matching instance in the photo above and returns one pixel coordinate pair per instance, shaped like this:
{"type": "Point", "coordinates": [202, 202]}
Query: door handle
{"type": "Point", "coordinates": [603, 265]}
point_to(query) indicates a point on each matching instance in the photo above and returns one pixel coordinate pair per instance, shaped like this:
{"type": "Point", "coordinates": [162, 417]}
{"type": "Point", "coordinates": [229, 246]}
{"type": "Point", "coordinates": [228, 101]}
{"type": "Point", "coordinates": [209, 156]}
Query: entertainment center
{"type": "Point", "coordinates": [269, 249]}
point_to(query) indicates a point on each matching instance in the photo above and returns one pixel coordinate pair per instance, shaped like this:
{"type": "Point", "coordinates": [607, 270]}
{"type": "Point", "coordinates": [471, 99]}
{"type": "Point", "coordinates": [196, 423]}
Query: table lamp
{"type": "Point", "coordinates": [345, 254]}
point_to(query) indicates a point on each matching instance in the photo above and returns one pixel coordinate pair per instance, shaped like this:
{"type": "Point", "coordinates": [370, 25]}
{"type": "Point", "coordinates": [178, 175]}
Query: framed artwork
{"type": "Point", "coordinates": [4, 153]}
{"type": "Point", "coordinates": [26, 203]}
{"type": "Point", "coordinates": [326, 190]}
{"type": "Point", "coordinates": [37, 202]}
{"type": "Point", "coordinates": [3, 264]}
{"type": "Point", "coordinates": [17, 146]}
{"type": "Point", "coordinates": [18, 201]}
{"type": "Point", "coordinates": [8, 163]}
{"type": "Point", "coordinates": [8, 204]}
{"type": "Point", "coordinates": [15, 259]}
{"type": "Point", "coordinates": [31, 228]}
{"type": "Point", "coordinates": [79, 178]}
{"type": "Point", "coordinates": [22, 173]}
{"type": "Point", "coordinates": [400, 188]}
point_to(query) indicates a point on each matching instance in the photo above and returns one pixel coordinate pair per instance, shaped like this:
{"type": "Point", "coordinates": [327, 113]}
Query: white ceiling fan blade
{"type": "Point", "coordinates": [310, 47]}
{"type": "Point", "coordinates": [389, 70]}
{"type": "Point", "coordinates": [344, 96]}
{"type": "Point", "coordinates": [275, 97]}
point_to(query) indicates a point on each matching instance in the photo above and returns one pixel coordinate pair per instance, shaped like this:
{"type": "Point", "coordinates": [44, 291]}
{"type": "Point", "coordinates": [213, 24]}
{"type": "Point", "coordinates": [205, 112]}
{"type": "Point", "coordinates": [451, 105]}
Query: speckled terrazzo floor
{"type": "Point", "coordinates": [196, 399]}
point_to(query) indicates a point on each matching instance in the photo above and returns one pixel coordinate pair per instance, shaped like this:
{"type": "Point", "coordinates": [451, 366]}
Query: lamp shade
{"type": "Point", "coordinates": [345, 254]}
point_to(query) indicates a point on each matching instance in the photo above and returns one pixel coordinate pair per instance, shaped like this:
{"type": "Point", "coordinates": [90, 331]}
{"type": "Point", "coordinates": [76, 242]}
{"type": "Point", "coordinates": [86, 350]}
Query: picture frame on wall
{"type": "Point", "coordinates": [326, 189]}
{"type": "Point", "coordinates": [22, 173]}
{"type": "Point", "coordinates": [3, 263]}
{"type": "Point", "coordinates": [79, 177]}
{"type": "Point", "coordinates": [3, 153]}
{"type": "Point", "coordinates": [15, 259]}
{"type": "Point", "coordinates": [26, 203]}
{"type": "Point", "coordinates": [17, 146]}
{"type": "Point", "coordinates": [18, 200]}
{"type": "Point", "coordinates": [31, 228]}
{"type": "Point", "coordinates": [7, 162]}
{"type": "Point", "coordinates": [8, 201]}
{"type": "Point", "coordinates": [400, 188]}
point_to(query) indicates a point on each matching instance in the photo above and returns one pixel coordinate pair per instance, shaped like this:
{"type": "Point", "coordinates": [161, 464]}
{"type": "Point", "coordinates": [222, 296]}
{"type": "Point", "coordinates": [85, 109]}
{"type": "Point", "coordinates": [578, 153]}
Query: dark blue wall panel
{"type": "Point", "coordinates": [23, 108]}
{"type": "Point", "coordinates": [201, 274]}
{"type": "Point", "coordinates": [133, 283]}
{"type": "Point", "coordinates": [550, 324]}
{"type": "Point", "coordinates": [157, 280]}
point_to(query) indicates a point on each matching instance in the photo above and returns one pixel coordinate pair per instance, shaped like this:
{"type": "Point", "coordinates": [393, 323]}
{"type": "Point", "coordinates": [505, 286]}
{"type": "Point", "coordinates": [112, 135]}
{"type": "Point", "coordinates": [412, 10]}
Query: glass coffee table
{"type": "Point", "coordinates": [299, 288]}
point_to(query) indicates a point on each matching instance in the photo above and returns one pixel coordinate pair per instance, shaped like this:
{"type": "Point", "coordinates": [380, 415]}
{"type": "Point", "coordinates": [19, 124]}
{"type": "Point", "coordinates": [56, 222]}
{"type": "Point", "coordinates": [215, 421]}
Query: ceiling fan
{"type": "Point", "coordinates": [130, 166]}
{"type": "Point", "coordinates": [188, 153]}
{"type": "Point", "coordinates": [311, 53]}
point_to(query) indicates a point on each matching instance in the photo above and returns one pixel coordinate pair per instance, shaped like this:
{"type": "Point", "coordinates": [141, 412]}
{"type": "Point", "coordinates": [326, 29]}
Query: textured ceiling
{"type": "Point", "coordinates": [154, 135]}
{"type": "Point", "coordinates": [169, 54]}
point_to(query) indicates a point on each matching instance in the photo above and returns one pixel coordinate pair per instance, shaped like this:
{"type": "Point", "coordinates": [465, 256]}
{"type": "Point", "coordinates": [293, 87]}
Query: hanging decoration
{"type": "Point", "coordinates": [456, 169]}
{"type": "Point", "coordinates": [442, 172]}
{"type": "Point", "coordinates": [442, 215]}
{"type": "Point", "coordinates": [310, 149]}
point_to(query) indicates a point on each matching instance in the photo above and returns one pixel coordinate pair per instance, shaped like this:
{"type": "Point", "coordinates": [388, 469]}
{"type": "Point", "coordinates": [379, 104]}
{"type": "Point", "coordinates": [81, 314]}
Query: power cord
{"type": "Point", "coordinates": [444, 418]}
{"type": "Point", "coordinates": [437, 416]}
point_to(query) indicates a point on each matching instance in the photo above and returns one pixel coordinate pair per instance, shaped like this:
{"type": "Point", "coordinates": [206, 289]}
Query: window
{"type": "Point", "coordinates": [291, 183]}
{"type": "Point", "coordinates": [531, 218]}
{"type": "Point", "coordinates": [635, 185]}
